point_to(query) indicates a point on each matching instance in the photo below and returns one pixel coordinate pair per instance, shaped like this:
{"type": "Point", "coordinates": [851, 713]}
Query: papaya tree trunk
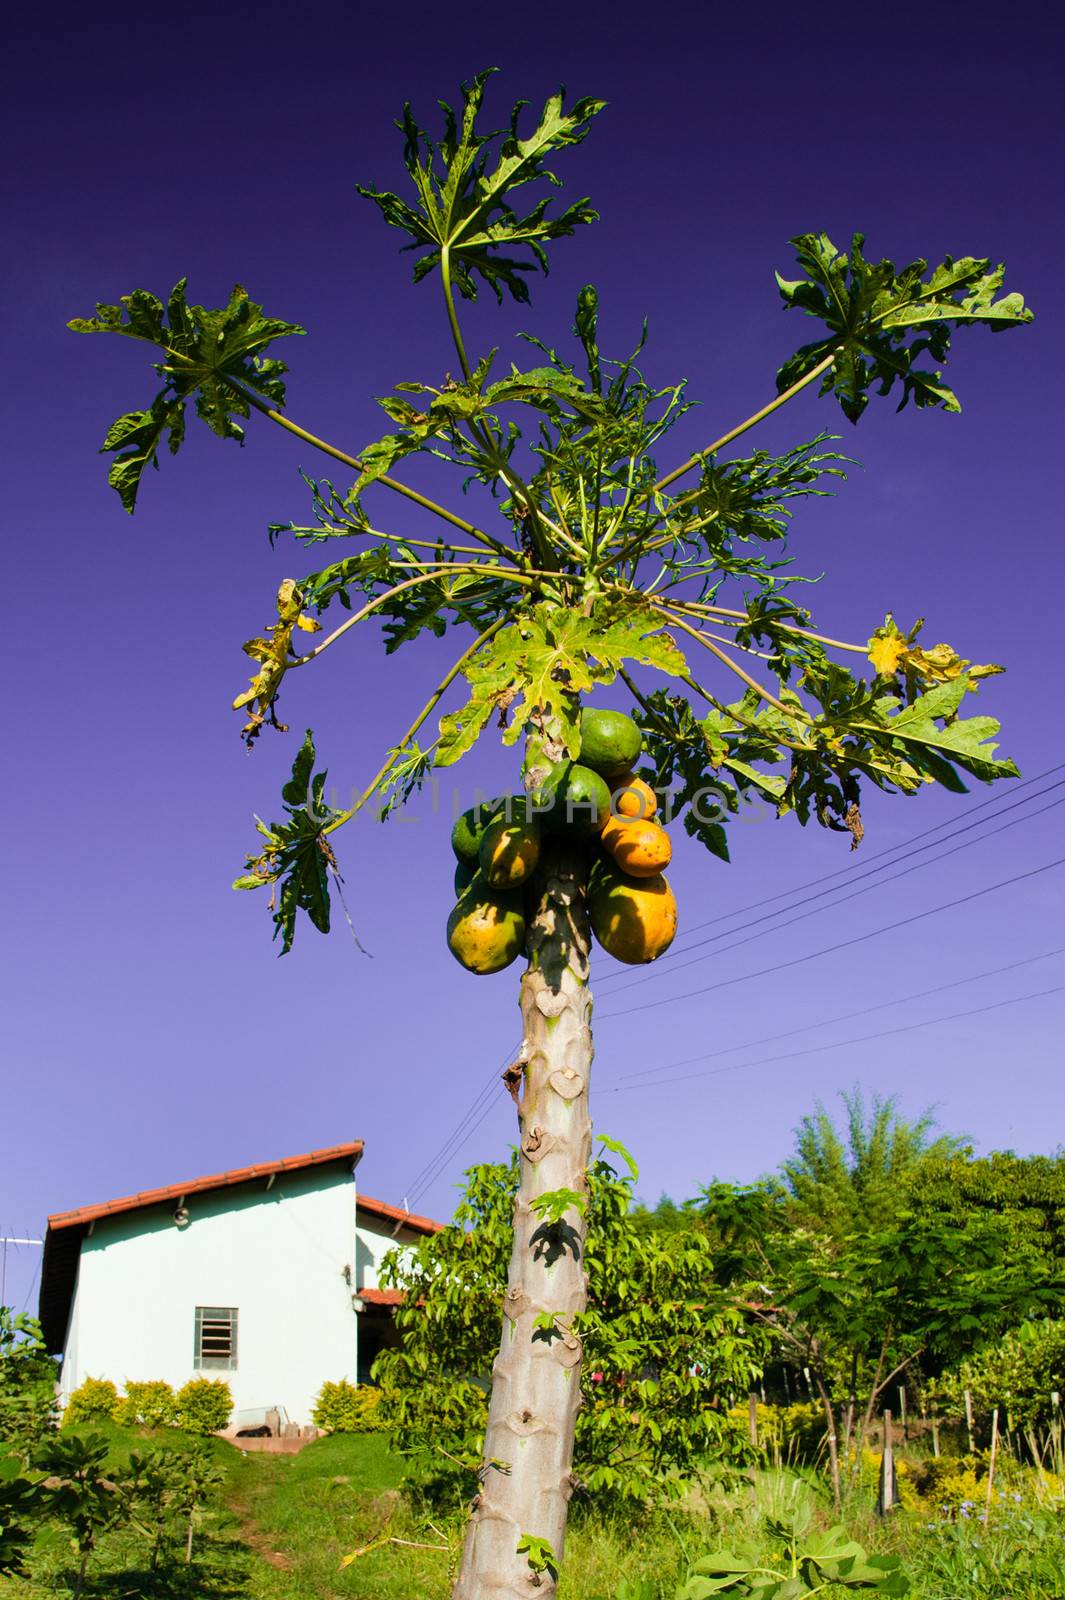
{"type": "Point", "coordinates": [517, 1527]}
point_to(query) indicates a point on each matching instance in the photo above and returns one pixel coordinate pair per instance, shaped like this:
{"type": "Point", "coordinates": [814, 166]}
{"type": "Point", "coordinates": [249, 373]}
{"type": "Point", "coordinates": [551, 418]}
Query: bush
{"type": "Point", "coordinates": [348, 1408]}
{"type": "Point", "coordinates": [147, 1405]}
{"type": "Point", "coordinates": [27, 1385]}
{"type": "Point", "coordinates": [95, 1400]}
{"type": "Point", "coordinates": [204, 1405]}
{"type": "Point", "coordinates": [1018, 1373]}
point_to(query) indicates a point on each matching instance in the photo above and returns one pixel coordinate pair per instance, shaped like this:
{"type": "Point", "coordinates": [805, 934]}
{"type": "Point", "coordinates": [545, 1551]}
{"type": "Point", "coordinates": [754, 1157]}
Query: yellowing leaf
{"type": "Point", "coordinates": [887, 654]}
{"type": "Point", "coordinates": [276, 655]}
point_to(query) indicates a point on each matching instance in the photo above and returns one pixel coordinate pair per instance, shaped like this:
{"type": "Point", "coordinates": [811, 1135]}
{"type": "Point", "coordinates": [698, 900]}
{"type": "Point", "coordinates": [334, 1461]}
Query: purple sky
{"type": "Point", "coordinates": [151, 1032]}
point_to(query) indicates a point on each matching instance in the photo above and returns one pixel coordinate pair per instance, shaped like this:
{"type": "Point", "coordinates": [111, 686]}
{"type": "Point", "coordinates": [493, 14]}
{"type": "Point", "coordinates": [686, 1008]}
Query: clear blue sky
{"type": "Point", "coordinates": [151, 1033]}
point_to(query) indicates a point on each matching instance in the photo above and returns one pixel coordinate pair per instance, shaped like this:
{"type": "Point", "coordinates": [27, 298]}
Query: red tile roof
{"type": "Point", "coordinates": [386, 1213]}
{"type": "Point", "coordinates": [381, 1297]}
{"type": "Point", "coordinates": [218, 1180]}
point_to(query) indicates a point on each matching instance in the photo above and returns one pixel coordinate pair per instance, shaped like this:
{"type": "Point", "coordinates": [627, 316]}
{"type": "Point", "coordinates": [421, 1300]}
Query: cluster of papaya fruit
{"type": "Point", "coordinates": [596, 803]}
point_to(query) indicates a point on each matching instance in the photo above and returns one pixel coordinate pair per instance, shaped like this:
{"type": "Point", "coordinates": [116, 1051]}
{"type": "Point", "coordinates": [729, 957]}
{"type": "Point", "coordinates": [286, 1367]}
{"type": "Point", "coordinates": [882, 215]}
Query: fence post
{"type": "Point", "coordinates": [752, 1430]}
{"type": "Point", "coordinates": [888, 1496]}
{"type": "Point", "coordinates": [935, 1436]}
{"type": "Point", "coordinates": [994, 1452]}
{"type": "Point", "coordinates": [969, 1420]}
{"type": "Point", "coordinates": [902, 1408]}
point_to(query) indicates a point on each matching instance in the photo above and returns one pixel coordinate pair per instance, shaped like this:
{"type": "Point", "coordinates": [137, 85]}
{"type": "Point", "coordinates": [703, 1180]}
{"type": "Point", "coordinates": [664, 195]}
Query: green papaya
{"type": "Point", "coordinates": [486, 929]}
{"type": "Point", "coordinates": [610, 742]}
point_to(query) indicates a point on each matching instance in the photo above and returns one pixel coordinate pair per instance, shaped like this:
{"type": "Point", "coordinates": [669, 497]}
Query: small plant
{"type": "Point", "coordinates": [154, 1483]}
{"type": "Point", "coordinates": [204, 1405]}
{"type": "Point", "coordinates": [344, 1407]}
{"type": "Point", "coordinates": [803, 1563]}
{"type": "Point", "coordinates": [198, 1478]}
{"type": "Point", "coordinates": [95, 1400]}
{"type": "Point", "coordinates": [147, 1405]}
{"type": "Point", "coordinates": [79, 1493]}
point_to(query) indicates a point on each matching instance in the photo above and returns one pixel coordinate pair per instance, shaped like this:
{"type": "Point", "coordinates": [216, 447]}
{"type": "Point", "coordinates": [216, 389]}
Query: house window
{"type": "Point", "coordinates": [215, 1344]}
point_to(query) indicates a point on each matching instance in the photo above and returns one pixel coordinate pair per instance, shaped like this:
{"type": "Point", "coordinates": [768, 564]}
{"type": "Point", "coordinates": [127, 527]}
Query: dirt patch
{"type": "Point", "coordinates": [258, 1542]}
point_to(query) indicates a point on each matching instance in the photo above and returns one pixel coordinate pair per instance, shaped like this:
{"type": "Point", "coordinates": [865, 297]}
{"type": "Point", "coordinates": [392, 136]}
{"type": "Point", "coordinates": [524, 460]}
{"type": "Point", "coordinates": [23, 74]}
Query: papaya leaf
{"type": "Point", "coordinates": [209, 356]}
{"type": "Point", "coordinates": [298, 857]}
{"type": "Point", "coordinates": [275, 655]}
{"type": "Point", "coordinates": [463, 192]}
{"type": "Point", "coordinates": [882, 323]}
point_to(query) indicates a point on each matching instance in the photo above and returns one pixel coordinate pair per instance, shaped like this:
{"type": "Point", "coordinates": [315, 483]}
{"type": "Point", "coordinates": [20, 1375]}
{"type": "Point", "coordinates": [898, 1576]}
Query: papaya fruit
{"type": "Point", "coordinates": [509, 851]}
{"type": "Point", "coordinates": [634, 919]}
{"type": "Point", "coordinates": [574, 800]}
{"type": "Point", "coordinates": [640, 848]}
{"type": "Point", "coordinates": [486, 928]}
{"type": "Point", "coordinates": [632, 797]}
{"type": "Point", "coordinates": [464, 876]}
{"type": "Point", "coordinates": [610, 742]}
{"type": "Point", "coordinates": [466, 834]}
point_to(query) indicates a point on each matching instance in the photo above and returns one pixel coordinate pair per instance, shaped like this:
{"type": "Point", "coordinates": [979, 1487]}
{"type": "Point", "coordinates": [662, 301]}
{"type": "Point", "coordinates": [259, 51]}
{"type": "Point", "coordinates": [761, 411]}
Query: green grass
{"type": "Point", "coordinates": [287, 1523]}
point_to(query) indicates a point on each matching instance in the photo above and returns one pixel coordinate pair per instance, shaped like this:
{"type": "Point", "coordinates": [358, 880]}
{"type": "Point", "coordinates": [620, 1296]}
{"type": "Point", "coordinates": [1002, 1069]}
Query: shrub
{"type": "Point", "coordinates": [27, 1384]}
{"type": "Point", "coordinates": [348, 1408]}
{"type": "Point", "coordinates": [1018, 1373]}
{"type": "Point", "coordinates": [95, 1400]}
{"type": "Point", "coordinates": [204, 1405]}
{"type": "Point", "coordinates": [147, 1405]}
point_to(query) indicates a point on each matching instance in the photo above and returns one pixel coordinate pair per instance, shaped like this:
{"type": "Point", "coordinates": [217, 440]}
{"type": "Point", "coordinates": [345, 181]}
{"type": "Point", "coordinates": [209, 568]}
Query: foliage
{"type": "Point", "coordinates": [1019, 1373]}
{"type": "Point", "coordinates": [579, 563]}
{"type": "Point", "coordinates": [846, 1181]}
{"type": "Point", "coordinates": [79, 1491]}
{"type": "Point", "coordinates": [196, 1485]}
{"type": "Point", "coordinates": [1025, 1193]}
{"type": "Point", "coordinates": [27, 1384]}
{"type": "Point", "coordinates": [154, 1481]}
{"type": "Point", "coordinates": [804, 1561]}
{"type": "Point", "coordinates": [1018, 1553]}
{"type": "Point", "coordinates": [94, 1400]}
{"type": "Point", "coordinates": [148, 1405]}
{"type": "Point", "coordinates": [204, 1405]}
{"type": "Point", "coordinates": [660, 1344]}
{"type": "Point", "coordinates": [345, 1407]}
{"type": "Point", "coordinates": [19, 1503]}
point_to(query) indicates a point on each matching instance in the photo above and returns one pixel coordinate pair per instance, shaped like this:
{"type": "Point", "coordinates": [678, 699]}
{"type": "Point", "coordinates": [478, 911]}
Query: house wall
{"type": "Point", "coordinates": [278, 1255]}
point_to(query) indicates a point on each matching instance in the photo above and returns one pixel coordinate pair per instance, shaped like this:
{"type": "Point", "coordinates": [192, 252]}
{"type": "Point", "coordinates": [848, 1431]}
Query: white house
{"type": "Point", "coordinates": [265, 1276]}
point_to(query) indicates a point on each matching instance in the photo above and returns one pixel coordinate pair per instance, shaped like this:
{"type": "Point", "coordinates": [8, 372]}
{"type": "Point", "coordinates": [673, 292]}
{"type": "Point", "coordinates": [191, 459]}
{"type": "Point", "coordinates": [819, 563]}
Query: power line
{"type": "Point", "coordinates": [431, 1169]}
{"type": "Point", "coordinates": [865, 1038]}
{"type": "Point", "coordinates": [846, 1016]}
{"type": "Point", "coordinates": [842, 944]}
{"type": "Point", "coordinates": [729, 933]}
{"type": "Point", "coordinates": [813, 883]}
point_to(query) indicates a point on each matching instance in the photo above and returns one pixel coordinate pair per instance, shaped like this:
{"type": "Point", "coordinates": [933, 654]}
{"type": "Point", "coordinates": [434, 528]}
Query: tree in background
{"type": "Point", "coordinates": [580, 563]}
{"type": "Point", "coordinates": [858, 1177]}
{"type": "Point", "coordinates": [662, 1346]}
{"type": "Point", "coordinates": [859, 1284]}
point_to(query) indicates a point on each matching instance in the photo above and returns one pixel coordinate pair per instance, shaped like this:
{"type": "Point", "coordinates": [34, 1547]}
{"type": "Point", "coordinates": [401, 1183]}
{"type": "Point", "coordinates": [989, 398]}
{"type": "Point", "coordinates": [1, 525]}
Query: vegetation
{"type": "Point", "coordinates": [584, 564]}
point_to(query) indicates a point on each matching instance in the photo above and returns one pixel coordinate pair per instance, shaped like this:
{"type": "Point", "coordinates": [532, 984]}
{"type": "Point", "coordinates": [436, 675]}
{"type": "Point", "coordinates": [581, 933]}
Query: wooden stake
{"type": "Point", "coordinates": [994, 1452]}
{"type": "Point", "coordinates": [969, 1420]}
{"type": "Point", "coordinates": [902, 1409]}
{"type": "Point", "coordinates": [935, 1436]}
{"type": "Point", "coordinates": [888, 1496]}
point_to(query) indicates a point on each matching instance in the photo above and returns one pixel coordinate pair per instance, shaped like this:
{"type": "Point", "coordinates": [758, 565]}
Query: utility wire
{"type": "Point", "coordinates": [865, 1038]}
{"type": "Point", "coordinates": [802, 916]}
{"type": "Point", "coordinates": [842, 944]}
{"type": "Point", "coordinates": [438, 1160]}
{"type": "Point", "coordinates": [768, 916]}
{"type": "Point", "coordinates": [846, 1016]}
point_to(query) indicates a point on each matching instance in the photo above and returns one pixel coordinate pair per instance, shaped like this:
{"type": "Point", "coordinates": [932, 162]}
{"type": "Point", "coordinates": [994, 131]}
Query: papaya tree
{"type": "Point", "coordinates": [578, 559]}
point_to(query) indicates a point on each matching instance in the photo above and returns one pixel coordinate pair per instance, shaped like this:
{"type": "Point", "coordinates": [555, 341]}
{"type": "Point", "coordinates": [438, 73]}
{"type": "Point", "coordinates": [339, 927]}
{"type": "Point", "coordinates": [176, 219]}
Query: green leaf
{"type": "Point", "coordinates": [871, 310]}
{"type": "Point", "coordinates": [209, 356]}
{"type": "Point", "coordinates": [544, 662]}
{"type": "Point", "coordinates": [465, 183]}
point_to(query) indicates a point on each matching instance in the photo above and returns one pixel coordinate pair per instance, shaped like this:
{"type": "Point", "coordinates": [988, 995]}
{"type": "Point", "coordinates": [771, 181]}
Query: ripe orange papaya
{"type": "Point", "coordinates": [634, 919]}
{"type": "Point", "coordinates": [631, 797]}
{"type": "Point", "coordinates": [640, 848]}
{"type": "Point", "coordinates": [486, 929]}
